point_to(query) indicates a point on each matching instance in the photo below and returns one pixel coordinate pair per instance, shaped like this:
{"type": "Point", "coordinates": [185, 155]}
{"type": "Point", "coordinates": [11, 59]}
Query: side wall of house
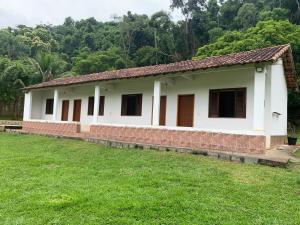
{"type": "Point", "coordinates": [37, 105]}
{"type": "Point", "coordinates": [276, 101]}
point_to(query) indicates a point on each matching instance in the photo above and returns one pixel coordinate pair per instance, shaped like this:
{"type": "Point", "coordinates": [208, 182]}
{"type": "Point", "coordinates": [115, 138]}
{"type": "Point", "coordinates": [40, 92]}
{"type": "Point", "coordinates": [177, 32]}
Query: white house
{"type": "Point", "coordinates": [235, 102]}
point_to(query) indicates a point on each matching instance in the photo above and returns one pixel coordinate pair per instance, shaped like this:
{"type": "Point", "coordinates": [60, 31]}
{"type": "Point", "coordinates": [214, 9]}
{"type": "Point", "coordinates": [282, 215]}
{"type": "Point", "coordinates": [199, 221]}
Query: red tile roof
{"type": "Point", "coordinates": [270, 54]}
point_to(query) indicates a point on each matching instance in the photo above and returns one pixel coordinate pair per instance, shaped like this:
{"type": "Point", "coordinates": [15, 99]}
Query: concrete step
{"type": "Point", "coordinates": [10, 127]}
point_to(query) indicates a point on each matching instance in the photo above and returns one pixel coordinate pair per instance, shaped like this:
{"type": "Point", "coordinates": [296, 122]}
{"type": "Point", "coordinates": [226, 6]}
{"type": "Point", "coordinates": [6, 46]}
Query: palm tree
{"type": "Point", "coordinates": [44, 63]}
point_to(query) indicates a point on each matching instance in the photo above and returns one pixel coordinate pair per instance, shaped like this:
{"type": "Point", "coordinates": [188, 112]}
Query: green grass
{"type": "Point", "coordinates": [57, 181]}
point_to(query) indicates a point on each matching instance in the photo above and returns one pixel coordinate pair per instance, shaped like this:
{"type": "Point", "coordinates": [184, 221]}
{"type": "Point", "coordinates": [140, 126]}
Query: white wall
{"type": "Point", "coordinates": [27, 105]}
{"type": "Point", "coordinates": [112, 108]}
{"type": "Point", "coordinates": [233, 77]}
{"type": "Point", "coordinates": [37, 101]}
{"type": "Point", "coordinates": [200, 87]}
{"type": "Point", "coordinates": [276, 100]}
{"type": "Point", "coordinates": [74, 93]}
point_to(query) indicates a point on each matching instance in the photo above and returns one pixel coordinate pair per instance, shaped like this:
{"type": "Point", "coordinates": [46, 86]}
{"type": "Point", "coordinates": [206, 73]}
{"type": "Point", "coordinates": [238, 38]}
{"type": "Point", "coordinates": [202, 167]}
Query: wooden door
{"type": "Point", "coordinates": [77, 110]}
{"type": "Point", "coordinates": [163, 109]}
{"type": "Point", "coordinates": [65, 110]}
{"type": "Point", "coordinates": [185, 111]}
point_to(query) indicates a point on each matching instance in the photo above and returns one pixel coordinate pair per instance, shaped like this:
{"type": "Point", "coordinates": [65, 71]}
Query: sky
{"type": "Point", "coordinates": [33, 12]}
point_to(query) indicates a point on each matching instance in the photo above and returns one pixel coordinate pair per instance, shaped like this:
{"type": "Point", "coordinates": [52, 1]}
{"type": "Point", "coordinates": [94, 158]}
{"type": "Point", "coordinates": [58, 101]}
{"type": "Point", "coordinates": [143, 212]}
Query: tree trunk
{"type": "Point", "coordinates": [187, 35]}
{"type": "Point", "coordinates": [1, 108]}
{"type": "Point", "coordinates": [155, 42]}
{"type": "Point", "coordinates": [15, 108]}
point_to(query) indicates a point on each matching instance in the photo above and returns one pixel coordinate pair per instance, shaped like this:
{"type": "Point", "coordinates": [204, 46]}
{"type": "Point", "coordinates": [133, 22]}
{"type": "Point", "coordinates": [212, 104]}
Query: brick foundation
{"type": "Point", "coordinates": [65, 129]}
{"type": "Point", "coordinates": [159, 137]}
{"type": "Point", "coordinates": [277, 141]}
{"type": "Point", "coordinates": [184, 139]}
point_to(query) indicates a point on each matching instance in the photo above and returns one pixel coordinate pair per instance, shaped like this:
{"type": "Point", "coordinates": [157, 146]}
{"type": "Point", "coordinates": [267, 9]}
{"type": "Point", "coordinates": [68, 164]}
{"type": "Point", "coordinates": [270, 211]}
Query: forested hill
{"type": "Point", "coordinates": [32, 54]}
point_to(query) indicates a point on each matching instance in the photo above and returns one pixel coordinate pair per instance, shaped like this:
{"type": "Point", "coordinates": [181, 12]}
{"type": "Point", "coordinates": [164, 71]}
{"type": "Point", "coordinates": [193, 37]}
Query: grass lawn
{"type": "Point", "coordinates": [57, 181]}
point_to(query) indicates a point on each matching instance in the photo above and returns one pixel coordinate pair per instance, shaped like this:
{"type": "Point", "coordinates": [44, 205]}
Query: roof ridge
{"type": "Point", "coordinates": [248, 51]}
{"type": "Point", "coordinates": [283, 50]}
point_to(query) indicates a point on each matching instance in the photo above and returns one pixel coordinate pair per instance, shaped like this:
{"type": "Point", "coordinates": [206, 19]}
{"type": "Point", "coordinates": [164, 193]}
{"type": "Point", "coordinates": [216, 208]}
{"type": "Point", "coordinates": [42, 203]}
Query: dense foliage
{"type": "Point", "coordinates": [211, 27]}
{"type": "Point", "coordinates": [264, 34]}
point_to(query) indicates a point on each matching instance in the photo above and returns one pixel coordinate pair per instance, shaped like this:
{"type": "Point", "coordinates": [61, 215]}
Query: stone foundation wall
{"type": "Point", "coordinates": [65, 129]}
{"type": "Point", "coordinates": [10, 122]}
{"type": "Point", "coordinates": [277, 141]}
{"type": "Point", "coordinates": [184, 139]}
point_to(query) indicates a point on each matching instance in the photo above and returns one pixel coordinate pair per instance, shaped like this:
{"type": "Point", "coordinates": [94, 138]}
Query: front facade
{"type": "Point", "coordinates": [238, 108]}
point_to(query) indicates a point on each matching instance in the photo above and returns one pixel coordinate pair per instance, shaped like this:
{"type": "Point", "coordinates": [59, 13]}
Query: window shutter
{"type": "Point", "coordinates": [213, 104]}
{"type": "Point", "coordinates": [47, 107]}
{"type": "Point", "coordinates": [240, 103]}
{"type": "Point", "coordinates": [101, 106]}
{"type": "Point", "coordinates": [91, 106]}
{"type": "Point", "coordinates": [139, 99]}
{"type": "Point", "coordinates": [124, 105]}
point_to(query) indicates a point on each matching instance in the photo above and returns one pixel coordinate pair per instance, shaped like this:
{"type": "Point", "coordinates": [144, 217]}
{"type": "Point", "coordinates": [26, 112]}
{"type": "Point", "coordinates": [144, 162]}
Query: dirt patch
{"type": "Point", "coordinates": [297, 153]}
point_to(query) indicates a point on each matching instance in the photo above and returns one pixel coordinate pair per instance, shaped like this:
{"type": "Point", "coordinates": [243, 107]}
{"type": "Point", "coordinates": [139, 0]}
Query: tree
{"type": "Point", "coordinates": [69, 22]}
{"type": "Point", "coordinates": [12, 46]}
{"type": "Point", "coordinates": [134, 28]}
{"type": "Point", "coordinates": [188, 8]}
{"type": "Point", "coordinates": [228, 13]}
{"type": "Point", "coordinates": [48, 65]}
{"type": "Point", "coordinates": [146, 56]}
{"type": "Point", "coordinates": [264, 34]}
{"type": "Point", "coordinates": [100, 61]}
{"type": "Point", "coordinates": [213, 10]}
{"type": "Point", "coordinates": [215, 33]}
{"type": "Point", "coordinates": [165, 50]}
{"type": "Point", "coordinates": [14, 75]}
{"type": "Point", "coordinates": [294, 7]}
{"type": "Point", "coordinates": [247, 15]}
{"type": "Point", "coordinates": [275, 14]}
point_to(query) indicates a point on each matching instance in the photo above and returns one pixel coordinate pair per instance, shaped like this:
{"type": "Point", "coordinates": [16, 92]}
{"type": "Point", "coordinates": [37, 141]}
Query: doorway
{"type": "Point", "coordinates": [77, 110]}
{"type": "Point", "coordinates": [185, 111]}
{"type": "Point", "coordinates": [163, 109]}
{"type": "Point", "coordinates": [65, 110]}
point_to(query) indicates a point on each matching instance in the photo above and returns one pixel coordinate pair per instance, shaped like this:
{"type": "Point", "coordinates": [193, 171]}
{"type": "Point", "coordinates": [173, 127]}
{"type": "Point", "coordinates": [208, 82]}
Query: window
{"type": "Point", "coordinates": [49, 106]}
{"type": "Point", "coordinates": [227, 103]}
{"type": "Point", "coordinates": [101, 106]}
{"type": "Point", "coordinates": [91, 106]}
{"type": "Point", "coordinates": [131, 105]}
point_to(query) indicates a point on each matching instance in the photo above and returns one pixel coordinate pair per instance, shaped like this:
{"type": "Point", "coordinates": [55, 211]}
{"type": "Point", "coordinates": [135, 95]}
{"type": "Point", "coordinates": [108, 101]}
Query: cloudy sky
{"type": "Point", "coordinates": [32, 12]}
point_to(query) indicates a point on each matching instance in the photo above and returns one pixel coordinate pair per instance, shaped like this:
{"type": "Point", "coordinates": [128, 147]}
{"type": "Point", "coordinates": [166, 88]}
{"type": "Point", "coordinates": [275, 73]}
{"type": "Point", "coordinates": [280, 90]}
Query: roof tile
{"type": "Point", "coordinates": [270, 54]}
